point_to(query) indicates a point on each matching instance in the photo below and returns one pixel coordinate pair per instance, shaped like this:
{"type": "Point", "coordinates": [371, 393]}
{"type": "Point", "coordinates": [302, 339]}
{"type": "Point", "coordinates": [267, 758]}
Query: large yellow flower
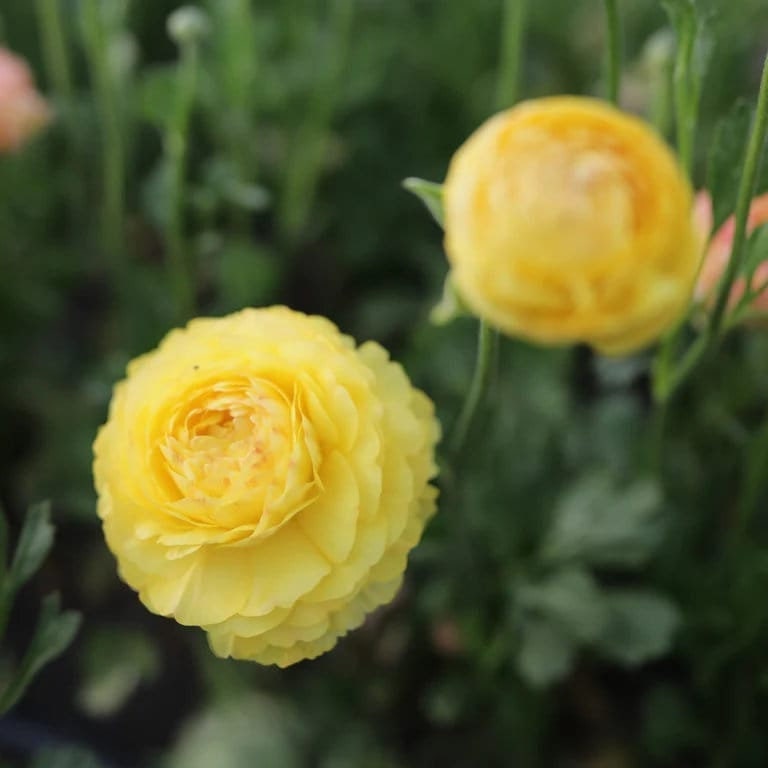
{"type": "Point", "coordinates": [567, 220]}
{"type": "Point", "coordinates": [261, 477]}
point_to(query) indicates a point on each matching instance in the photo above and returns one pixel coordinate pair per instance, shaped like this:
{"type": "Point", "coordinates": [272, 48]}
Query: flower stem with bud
{"type": "Point", "coordinates": [508, 85]}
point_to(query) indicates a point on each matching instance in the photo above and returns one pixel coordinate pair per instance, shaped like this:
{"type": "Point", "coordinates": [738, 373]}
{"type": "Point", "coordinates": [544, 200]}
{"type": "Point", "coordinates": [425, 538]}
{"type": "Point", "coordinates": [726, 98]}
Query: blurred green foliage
{"type": "Point", "coordinates": [577, 601]}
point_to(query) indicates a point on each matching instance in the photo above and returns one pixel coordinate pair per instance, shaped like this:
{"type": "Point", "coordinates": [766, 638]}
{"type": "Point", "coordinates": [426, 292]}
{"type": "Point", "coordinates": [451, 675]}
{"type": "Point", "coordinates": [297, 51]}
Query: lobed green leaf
{"type": "Point", "coordinates": [33, 546]}
{"type": "Point", "coordinates": [599, 523]}
{"type": "Point", "coordinates": [546, 654]}
{"type": "Point", "coordinates": [54, 632]}
{"type": "Point", "coordinates": [641, 626]}
{"type": "Point", "coordinates": [569, 598]}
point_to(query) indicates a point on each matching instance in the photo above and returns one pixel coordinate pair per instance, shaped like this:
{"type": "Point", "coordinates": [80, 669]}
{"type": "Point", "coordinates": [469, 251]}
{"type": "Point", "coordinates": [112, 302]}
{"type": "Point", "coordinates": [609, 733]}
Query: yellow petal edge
{"type": "Point", "coordinates": [263, 478]}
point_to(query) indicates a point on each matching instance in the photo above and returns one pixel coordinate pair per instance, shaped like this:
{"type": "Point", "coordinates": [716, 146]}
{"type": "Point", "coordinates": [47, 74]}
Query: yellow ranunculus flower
{"type": "Point", "coordinates": [566, 221]}
{"type": "Point", "coordinates": [261, 477]}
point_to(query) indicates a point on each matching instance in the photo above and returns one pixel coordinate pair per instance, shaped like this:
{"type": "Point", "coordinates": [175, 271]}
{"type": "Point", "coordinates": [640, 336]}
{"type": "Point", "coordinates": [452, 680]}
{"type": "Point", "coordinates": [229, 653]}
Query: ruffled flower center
{"type": "Point", "coordinates": [237, 450]}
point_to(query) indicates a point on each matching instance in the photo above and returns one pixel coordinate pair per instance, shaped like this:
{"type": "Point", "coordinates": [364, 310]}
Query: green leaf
{"type": "Point", "coordinates": [569, 598]}
{"type": "Point", "coordinates": [115, 662]}
{"type": "Point", "coordinates": [602, 524]}
{"type": "Point", "coordinates": [65, 757]}
{"type": "Point", "coordinates": [699, 16]}
{"type": "Point", "coordinates": [250, 730]}
{"type": "Point", "coordinates": [546, 654]}
{"type": "Point", "coordinates": [54, 632]}
{"type": "Point", "coordinates": [725, 160]}
{"type": "Point", "coordinates": [33, 546]}
{"type": "Point", "coordinates": [641, 626]}
{"type": "Point", "coordinates": [430, 193]}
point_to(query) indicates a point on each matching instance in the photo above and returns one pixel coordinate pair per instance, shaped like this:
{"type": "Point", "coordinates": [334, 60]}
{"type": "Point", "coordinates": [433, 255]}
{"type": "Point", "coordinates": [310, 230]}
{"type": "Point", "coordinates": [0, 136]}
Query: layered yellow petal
{"type": "Point", "coordinates": [261, 477]}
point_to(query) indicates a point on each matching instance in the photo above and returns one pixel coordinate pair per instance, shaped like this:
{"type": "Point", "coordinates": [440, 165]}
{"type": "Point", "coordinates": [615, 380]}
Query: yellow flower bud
{"type": "Point", "coordinates": [568, 221]}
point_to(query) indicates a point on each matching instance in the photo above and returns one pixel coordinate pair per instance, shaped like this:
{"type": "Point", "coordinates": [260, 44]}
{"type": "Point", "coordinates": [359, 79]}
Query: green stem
{"type": "Point", "coordinates": [487, 343]}
{"type": "Point", "coordinates": [661, 115]}
{"type": "Point", "coordinates": [666, 383]}
{"type": "Point", "coordinates": [743, 203]}
{"type": "Point", "coordinates": [107, 93]}
{"type": "Point", "coordinates": [512, 30]}
{"type": "Point", "coordinates": [508, 87]}
{"type": "Point", "coordinates": [614, 54]}
{"type": "Point", "coordinates": [685, 106]}
{"type": "Point", "coordinates": [176, 149]}
{"type": "Point", "coordinates": [59, 73]}
{"type": "Point", "coordinates": [54, 47]}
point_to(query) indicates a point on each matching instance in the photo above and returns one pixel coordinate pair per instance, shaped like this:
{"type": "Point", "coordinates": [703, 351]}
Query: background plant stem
{"type": "Point", "coordinates": [685, 106]}
{"type": "Point", "coordinates": [513, 27]}
{"type": "Point", "coordinates": [176, 149]}
{"type": "Point", "coordinates": [107, 96]}
{"type": "Point", "coordinates": [487, 342]}
{"type": "Point", "coordinates": [512, 30]}
{"type": "Point", "coordinates": [54, 46]}
{"type": "Point", "coordinates": [743, 203]}
{"type": "Point", "coordinates": [614, 53]}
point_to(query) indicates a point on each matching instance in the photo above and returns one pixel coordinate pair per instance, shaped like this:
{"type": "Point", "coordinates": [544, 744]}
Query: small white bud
{"type": "Point", "coordinates": [187, 24]}
{"type": "Point", "coordinates": [659, 50]}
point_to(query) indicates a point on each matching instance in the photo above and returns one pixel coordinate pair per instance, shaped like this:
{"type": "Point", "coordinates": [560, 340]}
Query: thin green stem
{"type": "Point", "coordinates": [107, 93]}
{"type": "Point", "coordinates": [54, 47]}
{"type": "Point", "coordinates": [743, 203]}
{"type": "Point", "coordinates": [685, 106]}
{"type": "Point", "coordinates": [690, 361]}
{"type": "Point", "coordinates": [59, 73]}
{"type": "Point", "coordinates": [511, 53]}
{"type": "Point", "coordinates": [176, 149]}
{"type": "Point", "coordinates": [614, 54]}
{"type": "Point", "coordinates": [487, 343]}
{"type": "Point", "coordinates": [667, 382]}
{"type": "Point", "coordinates": [508, 87]}
{"type": "Point", "coordinates": [661, 114]}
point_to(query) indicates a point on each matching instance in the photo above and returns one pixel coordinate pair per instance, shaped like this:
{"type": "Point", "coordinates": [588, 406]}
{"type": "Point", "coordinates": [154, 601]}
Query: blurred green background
{"type": "Point", "coordinates": [573, 603]}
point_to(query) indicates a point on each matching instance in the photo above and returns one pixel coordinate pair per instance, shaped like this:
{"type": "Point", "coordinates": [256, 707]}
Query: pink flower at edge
{"type": "Point", "coordinates": [23, 111]}
{"type": "Point", "coordinates": [719, 252]}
